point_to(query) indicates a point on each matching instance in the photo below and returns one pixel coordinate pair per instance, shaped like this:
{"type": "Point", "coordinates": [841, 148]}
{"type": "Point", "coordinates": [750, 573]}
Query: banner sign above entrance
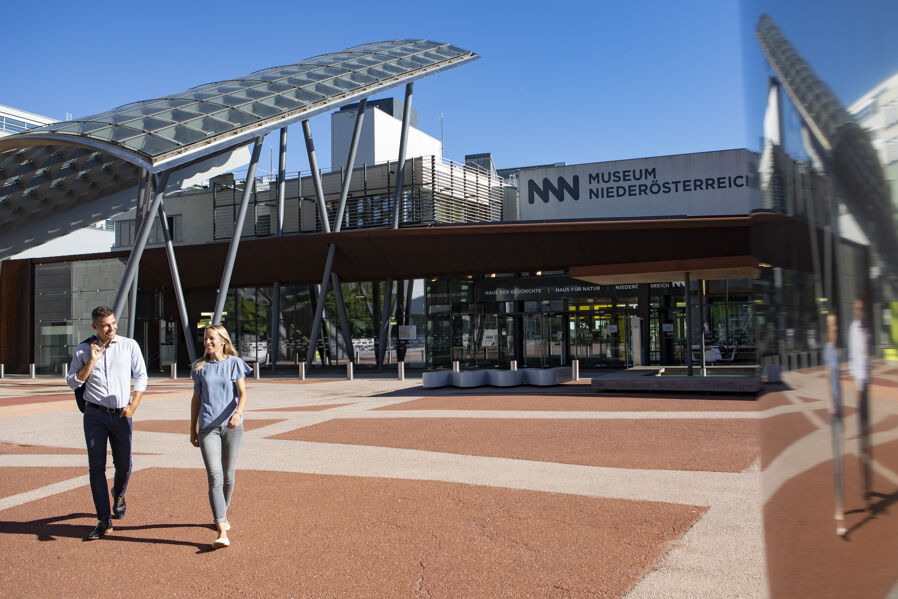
{"type": "Point", "coordinates": [556, 288]}
{"type": "Point", "coordinates": [702, 184]}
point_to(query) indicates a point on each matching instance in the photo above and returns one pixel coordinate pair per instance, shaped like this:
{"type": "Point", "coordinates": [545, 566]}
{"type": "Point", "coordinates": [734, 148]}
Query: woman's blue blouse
{"type": "Point", "coordinates": [216, 382]}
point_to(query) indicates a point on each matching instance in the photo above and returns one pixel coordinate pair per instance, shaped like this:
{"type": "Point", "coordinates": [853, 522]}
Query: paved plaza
{"type": "Point", "coordinates": [379, 488]}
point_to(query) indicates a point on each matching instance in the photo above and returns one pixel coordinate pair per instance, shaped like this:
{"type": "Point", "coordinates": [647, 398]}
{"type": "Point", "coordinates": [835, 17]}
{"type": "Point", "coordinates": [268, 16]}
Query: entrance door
{"type": "Point", "coordinates": [600, 336]}
{"type": "Point", "coordinates": [544, 343]}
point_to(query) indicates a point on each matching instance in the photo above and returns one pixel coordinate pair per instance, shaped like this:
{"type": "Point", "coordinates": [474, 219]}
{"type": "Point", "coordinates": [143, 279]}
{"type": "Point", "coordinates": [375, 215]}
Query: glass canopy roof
{"type": "Point", "coordinates": [59, 166]}
{"type": "Point", "coordinates": [157, 130]}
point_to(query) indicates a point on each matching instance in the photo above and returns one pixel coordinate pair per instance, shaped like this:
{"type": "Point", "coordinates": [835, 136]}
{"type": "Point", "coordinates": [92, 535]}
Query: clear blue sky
{"type": "Point", "coordinates": [558, 81]}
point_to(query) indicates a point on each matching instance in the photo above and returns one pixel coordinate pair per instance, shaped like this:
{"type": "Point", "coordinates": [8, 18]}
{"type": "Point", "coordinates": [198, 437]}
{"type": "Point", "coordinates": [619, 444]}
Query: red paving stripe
{"type": "Point", "coordinates": [773, 399]}
{"type": "Point", "coordinates": [30, 399]}
{"type": "Point", "coordinates": [883, 382]}
{"type": "Point", "coordinates": [887, 424]}
{"type": "Point", "coordinates": [778, 432]}
{"type": "Point", "coordinates": [20, 400]}
{"type": "Point", "coordinates": [590, 403]}
{"type": "Point", "coordinates": [16, 449]}
{"type": "Point", "coordinates": [718, 445]}
{"type": "Point", "coordinates": [335, 536]}
{"type": "Point", "coordinates": [183, 426]}
{"type": "Point", "coordinates": [810, 399]}
{"type": "Point", "coordinates": [15, 480]}
{"type": "Point", "coordinates": [303, 408]}
{"type": "Point", "coordinates": [805, 558]}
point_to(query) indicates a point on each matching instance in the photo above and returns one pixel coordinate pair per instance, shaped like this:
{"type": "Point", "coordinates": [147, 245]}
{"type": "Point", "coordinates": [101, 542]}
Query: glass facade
{"type": "Point", "coordinates": [486, 322]}
{"type": "Point", "coordinates": [65, 293]}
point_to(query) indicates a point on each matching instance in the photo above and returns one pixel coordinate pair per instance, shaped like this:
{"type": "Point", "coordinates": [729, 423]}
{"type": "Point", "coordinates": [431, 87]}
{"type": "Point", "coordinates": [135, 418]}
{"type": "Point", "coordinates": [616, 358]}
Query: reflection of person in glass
{"type": "Point", "coordinates": [831, 356]}
{"type": "Point", "coordinates": [216, 420]}
{"type": "Point", "coordinates": [858, 353]}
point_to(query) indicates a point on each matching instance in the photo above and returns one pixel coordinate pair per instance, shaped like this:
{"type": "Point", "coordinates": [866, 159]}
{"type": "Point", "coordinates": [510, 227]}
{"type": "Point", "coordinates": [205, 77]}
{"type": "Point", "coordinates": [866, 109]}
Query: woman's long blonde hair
{"type": "Point", "coordinates": [228, 345]}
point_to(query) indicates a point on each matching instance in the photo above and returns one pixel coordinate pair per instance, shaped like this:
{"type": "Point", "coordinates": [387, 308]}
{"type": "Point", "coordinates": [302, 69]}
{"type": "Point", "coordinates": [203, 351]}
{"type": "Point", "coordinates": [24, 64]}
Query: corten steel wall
{"type": "Point", "coordinates": [16, 315]}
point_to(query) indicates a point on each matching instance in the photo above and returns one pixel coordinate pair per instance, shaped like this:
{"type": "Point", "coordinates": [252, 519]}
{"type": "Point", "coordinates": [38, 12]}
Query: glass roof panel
{"type": "Point", "coordinates": [325, 89]}
{"type": "Point", "coordinates": [237, 117]}
{"type": "Point", "coordinates": [151, 144]}
{"type": "Point", "coordinates": [181, 134]}
{"type": "Point", "coordinates": [207, 107]}
{"type": "Point", "coordinates": [205, 118]}
{"type": "Point", "coordinates": [308, 95]}
{"type": "Point", "coordinates": [283, 102]}
{"type": "Point", "coordinates": [299, 80]}
{"type": "Point", "coordinates": [148, 123]}
{"type": "Point", "coordinates": [209, 125]}
{"type": "Point", "coordinates": [263, 110]}
{"type": "Point", "coordinates": [362, 79]}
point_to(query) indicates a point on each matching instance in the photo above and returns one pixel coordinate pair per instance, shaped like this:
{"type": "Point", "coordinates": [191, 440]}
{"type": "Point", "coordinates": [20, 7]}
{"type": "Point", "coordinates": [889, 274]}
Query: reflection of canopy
{"type": "Point", "coordinates": [65, 168]}
{"type": "Point", "coordinates": [853, 160]}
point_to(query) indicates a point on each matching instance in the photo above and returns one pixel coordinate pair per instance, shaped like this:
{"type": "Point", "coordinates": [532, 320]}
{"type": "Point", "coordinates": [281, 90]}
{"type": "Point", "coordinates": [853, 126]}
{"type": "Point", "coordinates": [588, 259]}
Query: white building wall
{"type": "Point", "coordinates": [13, 120]}
{"type": "Point", "coordinates": [378, 140]}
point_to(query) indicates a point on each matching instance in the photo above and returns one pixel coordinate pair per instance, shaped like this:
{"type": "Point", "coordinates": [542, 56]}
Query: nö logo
{"type": "Point", "coordinates": [534, 190]}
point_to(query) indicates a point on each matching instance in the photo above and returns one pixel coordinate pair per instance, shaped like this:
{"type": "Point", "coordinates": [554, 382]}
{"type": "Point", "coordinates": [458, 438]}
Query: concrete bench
{"type": "Point", "coordinates": [436, 378]}
{"type": "Point", "coordinates": [540, 377]}
{"type": "Point", "coordinates": [468, 378]}
{"type": "Point", "coordinates": [505, 378]}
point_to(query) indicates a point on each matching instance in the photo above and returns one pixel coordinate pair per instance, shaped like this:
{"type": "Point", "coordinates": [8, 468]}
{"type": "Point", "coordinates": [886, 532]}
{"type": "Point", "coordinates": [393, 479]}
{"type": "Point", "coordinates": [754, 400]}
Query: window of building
{"type": "Point", "coordinates": [126, 235]}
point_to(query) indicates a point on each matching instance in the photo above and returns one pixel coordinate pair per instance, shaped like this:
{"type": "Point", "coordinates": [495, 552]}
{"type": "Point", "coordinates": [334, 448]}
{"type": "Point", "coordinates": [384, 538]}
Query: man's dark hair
{"type": "Point", "coordinates": [101, 312]}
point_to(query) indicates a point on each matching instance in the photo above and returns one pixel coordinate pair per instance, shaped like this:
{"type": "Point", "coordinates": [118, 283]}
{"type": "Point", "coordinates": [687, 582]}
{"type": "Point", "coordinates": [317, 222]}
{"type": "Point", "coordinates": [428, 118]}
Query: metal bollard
{"type": "Point", "coordinates": [65, 370]}
{"type": "Point", "coordinates": [401, 370]}
{"type": "Point", "coordinates": [174, 370]}
{"type": "Point", "coordinates": [2, 371]}
{"type": "Point", "coordinates": [256, 374]}
{"type": "Point", "coordinates": [302, 371]}
{"type": "Point", "coordinates": [33, 371]}
{"type": "Point", "coordinates": [349, 374]}
{"type": "Point", "coordinates": [513, 365]}
{"type": "Point", "coordinates": [455, 366]}
{"type": "Point", "coordinates": [575, 370]}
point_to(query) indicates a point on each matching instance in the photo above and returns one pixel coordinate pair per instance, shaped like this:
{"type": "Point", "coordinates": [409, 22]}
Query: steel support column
{"type": "Point", "coordinates": [341, 313]}
{"type": "Point", "coordinates": [688, 327]}
{"type": "Point", "coordinates": [319, 308]}
{"type": "Point", "coordinates": [322, 294]}
{"type": "Point", "coordinates": [141, 242]}
{"type": "Point", "coordinates": [176, 281]}
{"type": "Point", "coordinates": [279, 232]}
{"type": "Point", "coordinates": [338, 224]}
{"type": "Point", "coordinates": [331, 278]}
{"type": "Point", "coordinates": [238, 232]}
{"type": "Point", "coordinates": [144, 189]}
{"type": "Point", "coordinates": [397, 200]}
{"type": "Point", "coordinates": [350, 163]}
{"type": "Point", "coordinates": [316, 178]}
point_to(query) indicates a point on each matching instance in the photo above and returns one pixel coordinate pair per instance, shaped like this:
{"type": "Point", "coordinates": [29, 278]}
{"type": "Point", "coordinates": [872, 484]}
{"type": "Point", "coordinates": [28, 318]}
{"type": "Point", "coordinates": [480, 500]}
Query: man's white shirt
{"type": "Point", "coordinates": [109, 382]}
{"type": "Point", "coordinates": [857, 352]}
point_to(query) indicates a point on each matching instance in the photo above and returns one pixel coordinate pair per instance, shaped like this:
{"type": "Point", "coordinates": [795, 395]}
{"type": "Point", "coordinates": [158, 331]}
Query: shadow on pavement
{"type": "Point", "coordinates": [877, 508]}
{"type": "Point", "coordinates": [50, 529]}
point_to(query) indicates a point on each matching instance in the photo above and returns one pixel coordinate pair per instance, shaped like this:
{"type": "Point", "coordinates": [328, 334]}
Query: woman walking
{"type": "Point", "coordinates": [216, 419]}
{"type": "Point", "coordinates": [831, 357]}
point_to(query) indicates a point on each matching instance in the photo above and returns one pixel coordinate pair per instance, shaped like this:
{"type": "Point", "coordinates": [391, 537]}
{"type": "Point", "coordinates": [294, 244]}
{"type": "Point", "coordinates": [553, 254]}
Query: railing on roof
{"type": "Point", "coordinates": [434, 192]}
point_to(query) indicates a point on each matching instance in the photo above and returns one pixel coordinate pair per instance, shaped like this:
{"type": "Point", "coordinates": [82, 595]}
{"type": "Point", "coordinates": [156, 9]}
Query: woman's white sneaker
{"type": "Point", "coordinates": [220, 542]}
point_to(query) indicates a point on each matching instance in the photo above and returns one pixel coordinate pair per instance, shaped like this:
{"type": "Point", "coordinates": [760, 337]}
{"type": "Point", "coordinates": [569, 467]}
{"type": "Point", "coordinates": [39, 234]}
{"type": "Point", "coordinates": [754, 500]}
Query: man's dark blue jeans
{"type": "Point", "coordinates": [102, 425]}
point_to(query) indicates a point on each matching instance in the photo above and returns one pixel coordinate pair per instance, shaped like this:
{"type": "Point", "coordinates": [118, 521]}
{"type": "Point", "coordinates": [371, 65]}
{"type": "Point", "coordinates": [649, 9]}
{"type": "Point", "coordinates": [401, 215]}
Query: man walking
{"type": "Point", "coordinates": [105, 366]}
{"type": "Point", "coordinates": [858, 354]}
